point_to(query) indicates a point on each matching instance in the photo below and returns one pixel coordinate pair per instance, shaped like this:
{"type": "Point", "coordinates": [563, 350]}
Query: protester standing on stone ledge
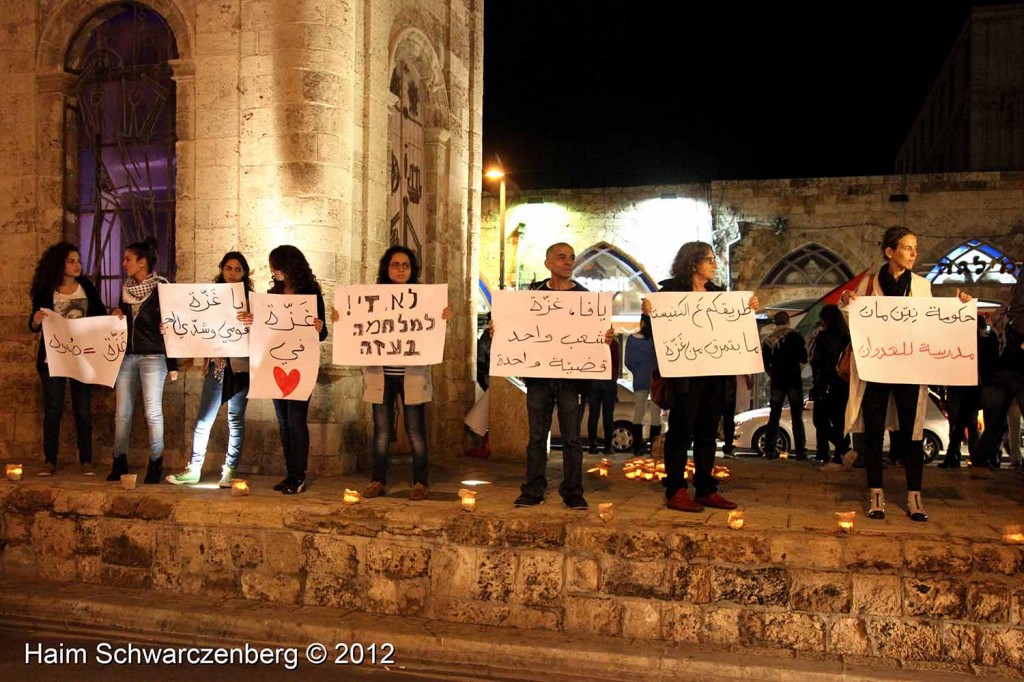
{"type": "Point", "coordinates": [871, 404]}
{"type": "Point", "coordinates": [293, 276]}
{"type": "Point", "coordinates": [58, 285]}
{"type": "Point", "coordinates": [641, 362]}
{"type": "Point", "coordinates": [226, 380]}
{"type": "Point", "coordinates": [697, 402]}
{"type": "Point", "coordinates": [384, 385]}
{"type": "Point", "coordinates": [784, 352]}
{"type": "Point", "coordinates": [145, 361]}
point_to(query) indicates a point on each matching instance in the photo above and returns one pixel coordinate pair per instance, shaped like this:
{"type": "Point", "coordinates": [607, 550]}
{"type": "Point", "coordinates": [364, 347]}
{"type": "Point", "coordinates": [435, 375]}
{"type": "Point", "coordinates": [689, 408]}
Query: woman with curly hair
{"type": "Point", "coordinates": [292, 275]}
{"type": "Point", "coordinates": [698, 402]}
{"type": "Point", "coordinates": [58, 286]}
{"type": "Point", "coordinates": [226, 381]}
{"type": "Point", "coordinates": [145, 361]}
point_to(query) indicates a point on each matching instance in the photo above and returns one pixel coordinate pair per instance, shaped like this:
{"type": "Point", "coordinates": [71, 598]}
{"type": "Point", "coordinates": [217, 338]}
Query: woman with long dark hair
{"type": "Point", "coordinates": [829, 391]}
{"type": "Point", "coordinates": [145, 361]}
{"type": "Point", "coordinates": [641, 361]}
{"type": "Point", "coordinates": [871, 404]}
{"type": "Point", "coordinates": [698, 402]}
{"type": "Point", "coordinates": [382, 386]}
{"type": "Point", "coordinates": [292, 275]}
{"type": "Point", "coordinates": [226, 380]}
{"type": "Point", "coordinates": [58, 285]}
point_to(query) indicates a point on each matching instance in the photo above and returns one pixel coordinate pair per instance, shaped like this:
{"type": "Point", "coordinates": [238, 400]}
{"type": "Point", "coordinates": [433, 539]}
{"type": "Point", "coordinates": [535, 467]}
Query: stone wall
{"type": "Point", "coordinates": [916, 601]}
{"type": "Point", "coordinates": [282, 128]}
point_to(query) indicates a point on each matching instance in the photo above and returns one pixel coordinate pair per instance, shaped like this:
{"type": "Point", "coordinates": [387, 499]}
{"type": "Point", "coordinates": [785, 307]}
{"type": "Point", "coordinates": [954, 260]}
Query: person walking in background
{"type": "Point", "coordinates": [829, 391]}
{"type": "Point", "coordinates": [964, 402]}
{"type": "Point", "coordinates": [641, 362]}
{"type": "Point", "coordinates": [784, 352]}
{"type": "Point", "coordinates": [602, 394]}
{"type": "Point", "coordinates": [58, 285]}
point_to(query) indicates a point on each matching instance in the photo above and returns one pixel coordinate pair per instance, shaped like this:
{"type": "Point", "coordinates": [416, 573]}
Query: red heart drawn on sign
{"type": "Point", "coordinates": [286, 382]}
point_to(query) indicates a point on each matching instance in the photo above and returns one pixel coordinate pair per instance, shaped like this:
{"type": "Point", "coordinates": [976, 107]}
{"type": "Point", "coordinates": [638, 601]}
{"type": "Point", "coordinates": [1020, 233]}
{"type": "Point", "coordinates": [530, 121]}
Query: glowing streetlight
{"type": "Point", "coordinates": [499, 175]}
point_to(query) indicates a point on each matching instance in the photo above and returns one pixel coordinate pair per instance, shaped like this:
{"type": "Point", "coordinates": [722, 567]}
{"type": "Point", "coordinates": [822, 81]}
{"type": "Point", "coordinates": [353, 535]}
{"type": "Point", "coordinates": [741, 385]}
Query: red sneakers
{"type": "Point", "coordinates": [717, 501]}
{"type": "Point", "coordinates": [682, 502]}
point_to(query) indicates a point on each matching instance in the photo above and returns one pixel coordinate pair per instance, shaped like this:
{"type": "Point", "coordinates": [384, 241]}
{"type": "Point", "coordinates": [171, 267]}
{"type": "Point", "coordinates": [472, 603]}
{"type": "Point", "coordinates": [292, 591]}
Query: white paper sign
{"type": "Point", "coordinates": [705, 333]}
{"type": "Point", "coordinates": [390, 324]}
{"type": "Point", "coordinates": [284, 346]}
{"type": "Point", "coordinates": [555, 334]}
{"type": "Point", "coordinates": [89, 349]}
{"type": "Point", "coordinates": [201, 320]}
{"type": "Point", "coordinates": [905, 340]}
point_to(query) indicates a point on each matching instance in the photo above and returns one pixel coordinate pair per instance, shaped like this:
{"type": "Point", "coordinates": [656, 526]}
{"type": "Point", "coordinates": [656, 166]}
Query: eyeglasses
{"type": "Point", "coordinates": [711, 260]}
{"type": "Point", "coordinates": [400, 266]}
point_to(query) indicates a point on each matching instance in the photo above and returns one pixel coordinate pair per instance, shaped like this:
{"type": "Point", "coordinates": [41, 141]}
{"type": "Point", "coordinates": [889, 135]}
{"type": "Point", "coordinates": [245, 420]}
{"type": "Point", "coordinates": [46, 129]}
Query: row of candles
{"type": "Point", "coordinates": [646, 469]}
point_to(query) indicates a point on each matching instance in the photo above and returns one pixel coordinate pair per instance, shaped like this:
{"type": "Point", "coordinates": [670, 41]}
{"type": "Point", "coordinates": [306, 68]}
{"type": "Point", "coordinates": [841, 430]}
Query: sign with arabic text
{"type": "Point", "coordinates": [201, 320]}
{"type": "Point", "coordinates": [555, 334]}
{"type": "Point", "coordinates": [705, 333]}
{"type": "Point", "coordinates": [284, 346]}
{"type": "Point", "coordinates": [903, 340]}
{"type": "Point", "coordinates": [390, 324]}
{"type": "Point", "coordinates": [89, 349]}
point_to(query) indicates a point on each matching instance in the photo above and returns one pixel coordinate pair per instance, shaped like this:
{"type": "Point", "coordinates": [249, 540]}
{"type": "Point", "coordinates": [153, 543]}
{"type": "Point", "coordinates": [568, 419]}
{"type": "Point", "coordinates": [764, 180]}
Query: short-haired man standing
{"type": "Point", "coordinates": [784, 351]}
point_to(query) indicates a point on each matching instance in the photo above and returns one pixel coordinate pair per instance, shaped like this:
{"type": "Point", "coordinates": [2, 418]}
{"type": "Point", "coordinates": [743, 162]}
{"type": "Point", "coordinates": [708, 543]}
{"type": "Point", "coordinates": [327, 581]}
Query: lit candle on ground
{"type": "Point", "coordinates": [736, 518]}
{"type": "Point", "coordinates": [14, 472]}
{"type": "Point", "coordinates": [239, 487]}
{"type": "Point", "coordinates": [468, 500]}
{"type": "Point", "coordinates": [1013, 535]}
{"type": "Point", "coordinates": [600, 471]}
{"type": "Point", "coordinates": [844, 520]}
{"type": "Point", "coordinates": [606, 510]}
{"type": "Point", "coordinates": [128, 481]}
{"type": "Point", "coordinates": [351, 497]}
{"type": "Point", "coordinates": [783, 455]}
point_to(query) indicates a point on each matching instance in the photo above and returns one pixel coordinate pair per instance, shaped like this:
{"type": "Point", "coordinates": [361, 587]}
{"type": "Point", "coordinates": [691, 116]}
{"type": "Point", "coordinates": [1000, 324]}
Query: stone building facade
{"type": "Point", "coordinates": [321, 123]}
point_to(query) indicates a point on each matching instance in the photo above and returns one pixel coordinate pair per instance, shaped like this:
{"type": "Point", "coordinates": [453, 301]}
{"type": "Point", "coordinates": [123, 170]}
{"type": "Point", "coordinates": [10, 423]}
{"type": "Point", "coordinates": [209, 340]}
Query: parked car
{"type": "Point", "coordinates": [752, 428]}
{"type": "Point", "coordinates": [622, 427]}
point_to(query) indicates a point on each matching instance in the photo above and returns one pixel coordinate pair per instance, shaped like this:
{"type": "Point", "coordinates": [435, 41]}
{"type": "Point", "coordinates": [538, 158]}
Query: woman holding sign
{"type": "Point", "coordinates": [873, 404]}
{"type": "Point", "coordinates": [698, 402]}
{"type": "Point", "coordinates": [226, 381]}
{"type": "Point", "coordinates": [58, 286]}
{"type": "Point", "coordinates": [292, 275]}
{"type": "Point", "coordinates": [145, 360]}
{"type": "Point", "coordinates": [384, 385]}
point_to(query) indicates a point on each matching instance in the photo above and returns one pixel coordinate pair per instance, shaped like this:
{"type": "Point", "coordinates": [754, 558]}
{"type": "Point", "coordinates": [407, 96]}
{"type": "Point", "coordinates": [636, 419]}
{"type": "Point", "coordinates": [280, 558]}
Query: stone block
{"type": "Point", "coordinates": [124, 576]}
{"type": "Point", "coordinates": [682, 623]}
{"type": "Point", "coordinates": [641, 619]}
{"type": "Point", "coordinates": [593, 616]}
{"type": "Point", "coordinates": [397, 561]}
{"type": "Point", "coordinates": [582, 575]}
{"type": "Point", "coordinates": [880, 595]}
{"type": "Point", "coordinates": [533, 534]}
{"type": "Point", "coordinates": [27, 500]}
{"type": "Point", "coordinates": [395, 597]}
{"type": "Point", "coordinates": [132, 549]}
{"type": "Point", "coordinates": [475, 612]}
{"type": "Point", "coordinates": [905, 639]}
{"type": "Point", "coordinates": [734, 548]}
{"type": "Point", "coordinates": [998, 559]}
{"type": "Point", "coordinates": [763, 587]}
{"type": "Point", "coordinates": [453, 572]}
{"type": "Point", "coordinates": [329, 556]}
{"type": "Point", "coordinates": [1002, 647]}
{"type": "Point", "coordinates": [721, 626]}
{"type": "Point", "coordinates": [1017, 608]}
{"type": "Point", "coordinates": [495, 572]}
{"type": "Point", "coordinates": [472, 529]}
{"type": "Point", "coordinates": [54, 537]}
{"type": "Point", "coordinates": [635, 578]}
{"type": "Point", "coordinates": [937, 557]}
{"type": "Point", "coordinates": [848, 637]}
{"type": "Point", "coordinates": [539, 578]}
{"type": "Point", "coordinates": [691, 582]}
{"type": "Point", "coordinates": [592, 540]}
{"type": "Point", "coordinates": [806, 551]}
{"type": "Point", "coordinates": [222, 584]}
{"type": "Point", "coordinates": [817, 591]}
{"type": "Point", "coordinates": [866, 553]}
{"type": "Point", "coordinates": [643, 544]}
{"type": "Point", "coordinates": [960, 643]}
{"type": "Point", "coordinates": [988, 603]}
{"type": "Point", "coordinates": [751, 627]}
{"type": "Point", "coordinates": [791, 630]}
{"type": "Point", "coordinates": [935, 598]}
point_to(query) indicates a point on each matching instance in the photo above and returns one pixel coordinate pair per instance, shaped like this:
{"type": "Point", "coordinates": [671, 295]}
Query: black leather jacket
{"type": "Point", "coordinates": [144, 337]}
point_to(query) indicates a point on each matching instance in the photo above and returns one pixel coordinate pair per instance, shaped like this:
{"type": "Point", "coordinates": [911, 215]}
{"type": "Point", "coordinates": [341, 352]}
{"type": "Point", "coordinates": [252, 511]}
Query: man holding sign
{"type": "Point", "coordinates": [556, 338]}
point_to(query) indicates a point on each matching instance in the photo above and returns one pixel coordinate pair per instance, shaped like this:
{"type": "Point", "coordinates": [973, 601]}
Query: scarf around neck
{"type": "Point", "coordinates": [892, 286]}
{"type": "Point", "coordinates": [136, 293]}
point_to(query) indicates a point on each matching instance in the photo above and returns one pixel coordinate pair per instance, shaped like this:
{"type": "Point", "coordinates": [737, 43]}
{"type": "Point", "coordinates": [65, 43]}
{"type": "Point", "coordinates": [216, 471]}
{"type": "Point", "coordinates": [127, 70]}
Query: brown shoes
{"type": "Point", "coordinates": [682, 502]}
{"type": "Point", "coordinates": [716, 501]}
{"type": "Point", "coordinates": [419, 492]}
{"type": "Point", "coordinates": [375, 489]}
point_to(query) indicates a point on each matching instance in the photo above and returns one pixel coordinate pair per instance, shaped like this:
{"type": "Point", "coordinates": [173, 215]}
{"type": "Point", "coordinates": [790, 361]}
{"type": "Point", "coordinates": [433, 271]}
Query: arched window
{"type": "Point", "coordinates": [603, 267]}
{"type": "Point", "coordinates": [975, 262]}
{"type": "Point", "coordinates": [120, 138]}
{"type": "Point", "coordinates": [811, 265]}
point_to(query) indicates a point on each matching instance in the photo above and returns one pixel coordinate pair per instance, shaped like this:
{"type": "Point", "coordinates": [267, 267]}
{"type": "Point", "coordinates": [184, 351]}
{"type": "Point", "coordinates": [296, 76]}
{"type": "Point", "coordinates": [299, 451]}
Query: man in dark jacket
{"type": "Point", "coordinates": [784, 351]}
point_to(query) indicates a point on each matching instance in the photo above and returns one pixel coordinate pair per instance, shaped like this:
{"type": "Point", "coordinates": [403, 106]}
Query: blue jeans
{"type": "Point", "coordinates": [81, 408]}
{"type": "Point", "coordinates": [384, 429]}
{"type": "Point", "coordinates": [794, 393]}
{"type": "Point", "coordinates": [542, 397]}
{"type": "Point", "coordinates": [209, 406]}
{"type": "Point", "coordinates": [150, 371]}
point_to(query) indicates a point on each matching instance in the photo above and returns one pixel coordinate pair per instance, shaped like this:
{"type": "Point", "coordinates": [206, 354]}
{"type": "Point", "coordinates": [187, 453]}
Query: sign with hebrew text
{"type": "Point", "coordinates": [906, 340]}
{"type": "Point", "coordinates": [390, 324]}
{"type": "Point", "coordinates": [88, 349]}
{"type": "Point", "coordinates": [554, 334]}
{"type": "Point", "coordinates": [284, 346]}
{"type": "Point", "coordinates": [705, 333]}
{"type": "Point", "coordinates": [201, 320]}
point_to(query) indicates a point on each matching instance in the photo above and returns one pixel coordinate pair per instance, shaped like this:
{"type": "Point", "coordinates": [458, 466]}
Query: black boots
{"type": "Point", "coordinates": [119, 468]}
{"type": "Point", "coordinates": [638, 440]}
{"type": "Point", "coordinates": [155, 472]}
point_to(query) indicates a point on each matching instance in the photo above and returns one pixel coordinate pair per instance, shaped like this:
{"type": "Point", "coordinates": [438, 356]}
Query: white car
{"type": "Point", "coordinates": [752, 427]}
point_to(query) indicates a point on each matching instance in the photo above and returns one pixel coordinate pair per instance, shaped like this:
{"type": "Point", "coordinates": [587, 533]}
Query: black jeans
{"type": "Point", "coordinates": [694, 419]}
{"type": "Point", "coordinates": [384, 428]}
{"type": "Point", "coordinates": [830, 421]}
{"type": "Point", "coordinates": [292, 416]}
{"type": "Point", "coordinates": [601, 401]}
{"type": "Point", "coordinates": [729, 414]}
{"type": "Point", "coordinates": [795, 395]}
{"type": "Point", "coordinates": [963, 403]}
{"type": "Point", "coordinates": [542, 397]}
{"type": "Point", "coordinates": [1006, 387]}
{"type": "Point", "coordinates": [53, 404]}
{"type": "Point", "coordinates": [874, 406]}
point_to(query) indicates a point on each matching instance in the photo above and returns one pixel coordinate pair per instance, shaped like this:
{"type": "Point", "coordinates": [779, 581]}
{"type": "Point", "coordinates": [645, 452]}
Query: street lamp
{"type": "Point", "coordinates": [498, 174]}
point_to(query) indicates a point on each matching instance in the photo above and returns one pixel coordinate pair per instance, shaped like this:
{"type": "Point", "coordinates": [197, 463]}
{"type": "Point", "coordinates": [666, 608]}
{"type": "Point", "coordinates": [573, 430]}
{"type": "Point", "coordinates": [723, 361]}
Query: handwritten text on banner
{"type": "Point", "coordinates": [390, 324]}
{"type": "Point", "coordinates": [707, 333]}
{"type": "Point", "coordinates": [89, 349]}
{"type": "Point", "coordinates": [201, 320]}
{"type": "Point", "coordinates": [557, 334]}
{"type": "Point", "coordinates": [284, 346]}
{"type": "Point", "coordinates": [915, 340]}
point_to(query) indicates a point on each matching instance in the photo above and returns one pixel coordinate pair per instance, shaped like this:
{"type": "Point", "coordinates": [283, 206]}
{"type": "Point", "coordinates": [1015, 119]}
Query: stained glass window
{"type": "Point", "coordinates": [975, 262]}
{"type": "Point", "coordinates": [810, 265]}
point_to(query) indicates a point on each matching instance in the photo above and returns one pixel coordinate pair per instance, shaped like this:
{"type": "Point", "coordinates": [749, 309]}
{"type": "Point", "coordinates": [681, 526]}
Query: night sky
{"type": "Point", "coordinates": [592, 93]}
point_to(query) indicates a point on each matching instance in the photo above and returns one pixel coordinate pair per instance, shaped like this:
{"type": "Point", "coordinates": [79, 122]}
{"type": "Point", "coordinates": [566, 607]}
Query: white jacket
{"type": "Point", "coordinates": [417, 384]}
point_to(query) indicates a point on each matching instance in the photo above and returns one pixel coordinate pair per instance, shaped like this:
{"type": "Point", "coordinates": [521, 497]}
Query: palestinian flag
{"type": "Point", "coordinates": [809, 322]}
